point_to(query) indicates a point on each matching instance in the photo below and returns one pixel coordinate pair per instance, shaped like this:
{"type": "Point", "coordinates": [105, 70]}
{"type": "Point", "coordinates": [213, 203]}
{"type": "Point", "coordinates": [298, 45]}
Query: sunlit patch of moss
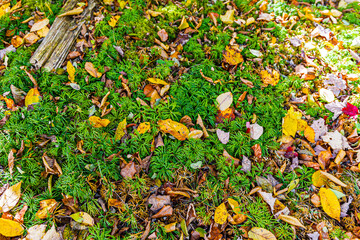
{"type": "Point", "coordinates": [172, 11]}
{"type": "Point", "coordinates": [341, 59]}
{"type": "Point", "coordinates": [348, 35]}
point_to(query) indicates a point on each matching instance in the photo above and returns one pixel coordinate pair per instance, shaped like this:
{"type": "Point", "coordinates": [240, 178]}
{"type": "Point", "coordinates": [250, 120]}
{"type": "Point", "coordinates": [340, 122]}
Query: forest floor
{"type": "Point", "coordinates": [182, 120]}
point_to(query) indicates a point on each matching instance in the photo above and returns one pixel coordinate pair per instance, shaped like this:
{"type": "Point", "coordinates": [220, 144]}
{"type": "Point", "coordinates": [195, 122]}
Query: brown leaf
{"type": "Point", "coordinates": [324, 159]}
{"type": "Point", "coordinates": [116, 203]}
{"type": "Point", "coordinates": [164, 212]}
{"type": "Point", "coordinates": [190, 214]}
{"type": "Point", "coordinates": [187, 121]}
{"type": "Point", "coordinates": [31, 38]}
{"type": "Point", "coordinates": [315, 199]}
{"type": "Point", "coordinates": [129, 170]}
{"type": "Point", "coordinates": [147, 231]}
{"type": "Point", "coordinates": [19, 216]}
{"type": "Point", "coordinates": [226, 114]}
{"type": "Point", "coordinates": [158, 201]}
{"type": "Point", "coordinates": [257, 150]}
{"type": "Point", "coordinates": [70, 203]}
{"type": "Point", "coordinates": [199, 121]}
{"type": "Point", "coordinates": [39, 25]}
{"type": "Point", "coordinates": [17, 41]}
{"type": "Point", "coordinates": [11, 160]}
{"type": "Point", "coordinates": [247, 83]}
{"type": "Point", "coordinates": [51, 166]}
{"type": "Point", "coordinates": [230, 158]}
{"type": "Point", "coordinates": [163, 35]}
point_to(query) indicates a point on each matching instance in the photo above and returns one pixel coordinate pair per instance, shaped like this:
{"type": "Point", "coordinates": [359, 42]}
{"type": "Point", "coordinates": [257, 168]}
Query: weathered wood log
{"type": "Point", "coordinates": [60, 39]}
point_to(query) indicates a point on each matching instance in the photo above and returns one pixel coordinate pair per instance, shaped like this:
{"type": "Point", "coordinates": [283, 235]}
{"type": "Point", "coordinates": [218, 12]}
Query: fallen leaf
{"type": "Point", "coordinates": [51, 166]}
{"type": "Point", "coordinates": [223, 136]}
{"type": "Point", "coordinates": [257, 233]}
{"type": "Point", "coordinates": [129, 170]}
{"type": "Point", "coordinates": [10, 197]}
{"type": "Point", "coordinates": [196, 134]}
{"type": "Point", "coordinates": [116, 203]}
{"type": "Point", "coordinates": [291, 220]}
{"type": "Point", "coordinates": [336, 140]}
{"type": "Point", "coordinates": [324, 159]}
{"type": "Point", "coordinates": [290, 122]}
{"type": "Point", "coordinates": [10, 228]}
{"type": "Point", "coordinates": [269, 79]}
{"type": "Point", "coordinates": [32, 97]}
{"type": "Point", "coordinates": [47, 207]}
{"type": "Point", "coordinates": [31, 38]}
{"type": "Point", "coordinates": [17, 41]}
{"type": "Point", "coordinates": [221, 214]}
{"type": "Point", "coordinates": [224, 101]}
{"type": "Point", "coordinates": [326, 95]}
{"type": "Point", "coordinates": [74, 11]}
{"type": "Point", "coordinates": [157, 81]}
{"type": "Point", "coordinates": [184, 24]}
{"type": "Point", "coordinates": [330, 203]}
{"type": "Point", "coordinates": [257, 150]}
{"type": "Point", "coordinates": [11, 160]}
{"type": "Point", "coordinates": [178, 130]}
{"type": "Point", "coordinates": [333, 178]}
{"type": "Point", "coordinates": [256, 131]}
{"type": "Point", "coordinates": [228, 17]}
{"type": "Point", "coordinates": [39, 25]}
{"type": "Point", "coordinates": [113, 20]}
{"type": "Point", "coordinates": [19, 216]}
{"type": "Point", "coordinates": [120, 130]}
{"type": "Point", "coordinates": [336, 107]}
{"type": "Point", "coordinates": [83, 218]}
{"type": "Point", "coordinates": [234, 205]}
{"type": "Point", "coordinates": [315, 199]}
{"type": "Point", "coordinates": [232, 56]}
{"type": "Point", "coordinates": [43, 32]}
{"type": "Point", "coordinates": [158, 201]}
{"type": "Point", "coordinates": [71, 71]}
{"type": "Point", "coordinates": [320, 128]}
{"type": "Point", "coordinates": [89, 67]}
{"type": "Point", "coordinates": [52, 234]}
{"type": "Point", "coordinates": [36, 232]}
{"type": "Point", "coordinates": [164, 212]}
{"type": "Point", "coordinates": [309, 133]}
{"type": "Point", "coordinates": [318, 180]}
{"type": "Point", "coordinates": [98, 122]}
{"type": "Point", "coordinates": [17, 94]}
{"type": "Point", "coordinates": [170, 227]}
{"type": "Point", "coordinates": [143, 127]}
{"type": "Point", "coordinates": [350, 110]}
{"type": "Point", "coordinates": [163, 35]}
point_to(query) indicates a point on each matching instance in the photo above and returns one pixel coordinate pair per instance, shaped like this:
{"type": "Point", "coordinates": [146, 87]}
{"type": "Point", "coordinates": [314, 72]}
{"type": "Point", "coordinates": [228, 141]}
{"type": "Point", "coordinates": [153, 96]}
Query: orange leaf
{"type": "Point", "coordinates": [47, 207]}
{"type": "Point", "coordinates": [89, 67]}
{"type": "Point", "coordinates": [310, 134]}
{"type": "Point", "coordinates": [232, 56]}
{"type": "Point", "coordinates": [178, 130]}
{"type": "Point", "coordinates": [98, 122]}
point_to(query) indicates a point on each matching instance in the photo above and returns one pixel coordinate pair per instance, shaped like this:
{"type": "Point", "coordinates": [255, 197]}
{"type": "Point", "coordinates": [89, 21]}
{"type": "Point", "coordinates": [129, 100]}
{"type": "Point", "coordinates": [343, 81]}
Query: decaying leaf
{"type": "Point", "coordinates": [257, 233]}
{"type": "Point", "coordinates": [71, 71]}
{"type": "Point", "coordinates": [51, 166]}
{"type": "Point", "coordinates": [47, 207]}
{"type": "Point", "coordinates": [224, 101]}
{"type": "Point", "coordinates": [72, 12]}
{"type": "Point", "coordinates": [228, 17]}
{"type": "Point", "coordinates": [164, 212]}
{"type": "Point", "coordinates": [32, 97]}
{"type": "Point", "coordinates": [113, 20]}
{"type": "Point", "coordinates": [17, 94]}
{"type": "Point", "coordinates": [10, 228]}
{"type": "Point", "coordinates": [256, 131]}
{"type": "Point", "coordinates": [232, 56]}
{"type": "Point", "coordinates": [318, 179]}
{"type": "Point", "coordinates": [223, 136]}
{"type": "Point", "coordinates": [291, 220]}
{"type": "Point", "coordinates": [120, 130]}
{"type": "Point", "coordinates": [336, 140]}
{"type": "Point", "coordinates": [184, 24]}
{"type": "Point", "coordinates": [333, 178]}
{"type": "Point", "coordinates": [89, 67]}
{"type": "Point", "coordinates": [178, 130]}
{"type": "Point", "coordinates": [129, 170]}
{"type": "Point", "coordinates": [270, 78]}
{"type": "Point", "coordinates": [143, 127]}
{"type": "Point", "coordinates": [83, 218]}
{"type": "Point", "coordinates": [10, 198]}
{"type": "Point", "coordinates": [98, 122]}
{"type": "Point", "coordinates": [221, 214]}
{"type": "Point", "coordinates": [39, 25]}
{"type": "Point", "coordinates": [330, 203]}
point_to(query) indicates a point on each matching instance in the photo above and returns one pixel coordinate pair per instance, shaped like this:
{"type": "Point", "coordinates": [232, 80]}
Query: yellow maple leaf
{"type": "Point", "coordinates": [270, 79]}
{"type": "Point", "coordinates": [113, 20]}
{"type": "Point", "coordinates": [221, 214]}
{"type": "Point", "coordinates": [232, 56]}
{"type": "Point", "coordinates": [71, 71]}
{"type": "Point", "coordinates": [98, 122]}
{"type": "Point", "coordinates": [330, 203]}
{"type": "Point", "coordinates": [120, 130]}
{"type": "Point", "coordinates": [32, 97]}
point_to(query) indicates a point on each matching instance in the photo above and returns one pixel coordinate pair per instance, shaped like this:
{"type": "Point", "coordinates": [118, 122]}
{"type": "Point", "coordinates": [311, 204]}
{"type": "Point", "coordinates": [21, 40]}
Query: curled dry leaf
{"type": "Point", "coordinates": [257, 150]}
{"type": "Point", "coordinates": [51, 166]}
{"type": "Point", "coordinates": [224, 101]}
{"type": "Point", "coordinates": [221, 214]}
{"type": "Point", "coordinates": [19, 216]}
{"type": "Point", "coordinates": [330, 203]}
{"type": "Point", "coordinates": [200, 122]}
{"type": "Point", "coordinates": [10, 198]}
{"type": "Point", "coordinates": [98, 122]}
{"type": "Point", "coordinates": [291, 220]}
{"type": "Point", "coordinates": [39, 25]}
{"type": "Point", "coordinates": [257, 233]}
{"type": "Point", "coordinates": [89, 67]}
{"type": "Point", "coordinates": [196, 134]}
{"type": "Point", "coordinates": [47, 207]}
{"type": "Point", "coordinates": [10, 228]}
{"type": "Point", "coordinates": [178, 130]}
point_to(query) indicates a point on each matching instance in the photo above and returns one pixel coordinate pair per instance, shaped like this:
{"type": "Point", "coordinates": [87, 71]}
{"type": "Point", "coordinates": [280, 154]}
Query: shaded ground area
{"type": "Point", "coordinates": [182, 120]}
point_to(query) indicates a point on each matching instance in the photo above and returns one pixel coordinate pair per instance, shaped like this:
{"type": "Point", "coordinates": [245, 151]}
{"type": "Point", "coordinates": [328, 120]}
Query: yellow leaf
{"type": "Point", "coordinates": [47, 207]}
{"type": "Point", "coordinates": [318, 179]}
{"type": "Point", "coordinates": [228, 17]}
{"type": "Point", "coordinates": [196, 134]}
{"type": "Point", "coordinates": [122, 4]}
{"type": "Point", "coordinates": [98, 122]}
{"type": "Point", "coordinates": [178, 130]}
{"type": "Point", "coordinates": [157, 81]}
{"type": "Point", "coordinates": [83, 218]}
{"type": "Point", "coordinates": [234, 205]}
{"type": "Point", "coordinates": [120, 130]}
{"type": "Point", "coordinates": [291, 220]}
{"type": "Point", "coordinates": [301, 125]}
{"type": "Point", "coordinates": [71, 71]}
{"type": "Point", "coordinates": [74, 11]}
{"type": "Point", "coordinates": [270, 79]}
{"type": "Point", "coordinates": [290, 123]}
{"type": "Point", "coordinates": [221, 214]}
{"type": "Point", "coordinates": [113, 20]}
{"type": "Point", "coordinates": [43, 32]}
{"type": "Point", "coordinates": [4, 9]}
{"type": "Point", "coordinates": [109, 2]}
{"type": "Point", "coordinates": [143, 127]}
{"type": "Point", "coordinates": [232, 56]}
{"type": "Point", "coordinates": [184, 24]}
{"type": "Point", "coordinates": [10, 198]}
{"type": "Point", "coordinates": [330, 203]}
{"type": "Point", "coordinates": [310, 134]}
{"type": "Point", "coordinates": [10, 228]}
{"type": "Point", "coordinates": [32, 97]}
{"type": "Point", "coordinates": [257, 233]}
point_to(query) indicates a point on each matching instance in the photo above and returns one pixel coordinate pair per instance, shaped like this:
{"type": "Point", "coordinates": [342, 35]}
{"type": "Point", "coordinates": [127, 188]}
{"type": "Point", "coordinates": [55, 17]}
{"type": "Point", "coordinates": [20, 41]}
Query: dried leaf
{"type": "Point", "coordinates": [157, 81]}
{"type": "Point", "coordinates": [17, 41]}
{"type": "Point", "coordinates": [320, 128]}
{"type": "Point", "coordinates": [224, 101]}
{"type": "Point", "coordinates": [17, 94]}
{"type": "Point", "coordinates": [310, 134]}
{"type": "Point", "coordinates": [143, 127]}
{"type": "Point", "coordinates": [39, 25]}
{"type": "Point", "coordinates": [43, 32]}
{"type": "Point", "coordinates": [223, 136]}
{"type": "Point", "coordinates": [256, 131]}
{"type": "Point", "coordinates": [257, 233]}
{"type": "Point", "coordinates": [11, 160]}
{"type": "Point", "coordinates": [330, 203]}
{"type": "Point", "coordinates": [71, 71]}
{"type": "Point", "coordinates": [234, 205]}
{"type": "Point", "coordinates": [83, 218]}
{"type": "Point", "coordinates": [158, 201]}
{"type": "Point", "coordinates": [120, 130]}
{"type": "Point", "coordinates": [318, 180]}
{"type": "Point", "coordinates": [51, 166]}
{"type": "Point", "coordinates": [31, 38]}
{"type": "Point", "coordinates": [36, 232]}
{"type": "Point", "coordinates": [129, 170]}
{"type": "Point", "coordinates": [178, 130]}
{"type": "Point", "coordinates": [113, 20]}
{"type": "Point", "coordinates": [164, 212]}
{"type": "Point", "coordinates": [116, 203]}
{"type": "Point", "coordinates": [98, 122]}
{"type": "Point", "coordinates": [232, 56]}
{"type": "Point", "coordinates": [47, 207]}
{"type": "Point", "coordinates": [32, 97]}
{"type": "Point", "coordinates": [333, 178]}
{"type": "Point", "coordinates": [336, 140]}
{"type": "Point", "coordinates": [10, 198]}
{"type": "Point", "coordinates": [196, 134]}
{"type": "Point", "coordinates": [89, 67]}
{"type": "Point", "coordinates": [257, 150]}
{"type": "Point", "coordinates": [170, 227]}
{"type": "Point", "coordinates": [163, 35]}
{"type": "Point", "coordinates": [10, 228]}
{"type": "Point", "coordinates": [270, 79]}
{"type": "Point", "coordinates": [221, 214]}
{"type": "Point", "coordinates": [74, 11]}
{"type": "Point", "coordinates": [228, 17]}
{"type": "Point", "coordinates": [184, 24]}
{"type": "Point", "coordinates": [52, 234]}
{"type": "Point", "coordinates": [19, 216]}
{"type": "Point", "coordinates": [290, 122]}
{"type": "Point", "coordinates": [291, 220]}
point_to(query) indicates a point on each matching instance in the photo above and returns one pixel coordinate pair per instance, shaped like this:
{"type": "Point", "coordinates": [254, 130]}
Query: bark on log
{"type": "Point", "coordinates": [60, 39]}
